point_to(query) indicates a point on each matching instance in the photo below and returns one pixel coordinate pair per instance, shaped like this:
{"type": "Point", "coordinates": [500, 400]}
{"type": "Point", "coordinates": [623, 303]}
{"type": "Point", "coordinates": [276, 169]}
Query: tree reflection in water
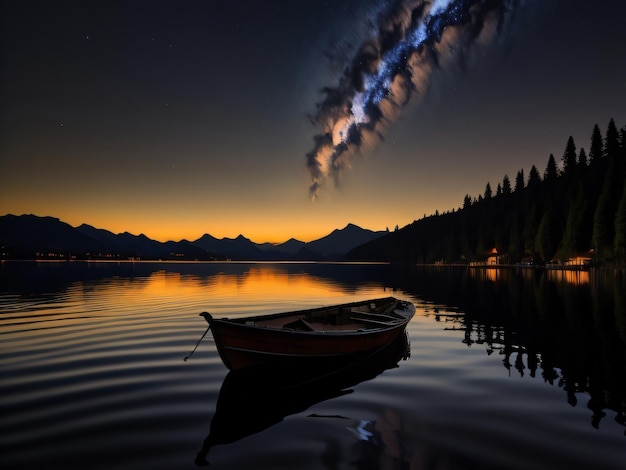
{"type": "Point", "coordinates": [567, 327]}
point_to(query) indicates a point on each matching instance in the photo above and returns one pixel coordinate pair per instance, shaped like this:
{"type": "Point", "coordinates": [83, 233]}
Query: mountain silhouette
{"type": "Point", "coordinates": [341, 241]}
{"type": "Point", "coordinates": [29, 234]}
{"type": "Point", "coordinates": [233, 248]}
{"type": "Point", "coordinates": [32, 237]}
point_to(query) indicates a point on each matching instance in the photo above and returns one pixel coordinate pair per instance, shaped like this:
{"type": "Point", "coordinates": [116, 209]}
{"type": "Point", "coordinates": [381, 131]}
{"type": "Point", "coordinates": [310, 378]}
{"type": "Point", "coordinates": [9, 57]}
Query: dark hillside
{"type": "Point", "coordinates": [576, 210]}
{"type": "Point", "coordinates": [30, 234]}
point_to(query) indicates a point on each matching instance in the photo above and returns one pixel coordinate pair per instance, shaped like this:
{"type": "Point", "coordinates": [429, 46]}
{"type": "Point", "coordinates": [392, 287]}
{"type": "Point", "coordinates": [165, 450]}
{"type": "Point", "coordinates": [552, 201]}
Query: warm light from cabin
{"type": "Point", "coordinates": [491, 274]}
{"type": "Point", "coordinates": [577, 277]}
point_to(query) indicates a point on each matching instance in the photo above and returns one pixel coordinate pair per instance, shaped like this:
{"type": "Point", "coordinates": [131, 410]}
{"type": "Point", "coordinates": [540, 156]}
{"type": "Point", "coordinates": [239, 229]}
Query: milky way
{"type": "Point", "coordinates": [412, 39]}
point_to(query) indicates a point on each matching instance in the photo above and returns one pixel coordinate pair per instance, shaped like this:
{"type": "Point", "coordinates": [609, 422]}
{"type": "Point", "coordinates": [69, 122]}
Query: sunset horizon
{"type": "Point", "coordinates": [292, 121]}
{"type": "Point", "coordinates": [217, 234]}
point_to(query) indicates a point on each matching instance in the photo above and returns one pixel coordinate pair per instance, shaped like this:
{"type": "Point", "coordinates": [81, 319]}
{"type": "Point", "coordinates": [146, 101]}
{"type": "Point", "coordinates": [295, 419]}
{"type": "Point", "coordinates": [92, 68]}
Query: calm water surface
{"type": "Point", "coordinates": [507, 369]}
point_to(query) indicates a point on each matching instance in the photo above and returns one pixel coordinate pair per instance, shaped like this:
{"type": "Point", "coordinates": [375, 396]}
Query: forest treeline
{"type": "Point", "coordinates": [575, 207]}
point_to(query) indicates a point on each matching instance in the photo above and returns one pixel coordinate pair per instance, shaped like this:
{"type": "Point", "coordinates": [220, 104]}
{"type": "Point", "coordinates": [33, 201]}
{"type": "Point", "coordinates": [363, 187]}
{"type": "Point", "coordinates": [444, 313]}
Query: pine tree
{"type": "Point", "coordinates": [604, 230]}
{"type": "Point", "coordinates": [574, 236]}
{"type": "Point", "coordinates": [506, 185]}
{"type": "Point", "coordinates": [582, 158]}
{"type": "Point", "coordinates": [622, 158]}
{"type": "Point", "coordinates": [620, 229]}
{"type": "Point", "coordinates": [597, 145]}
{"type": "Point", "coordinates": [531, 227]}
{"type": "Point", "coordinates": [488, 191]}
{"type": "Point", "coordinates": [603, 224]}
{"type": "Point", "coordinates": [569, 156]}
{"type": "Point", "coordinates": [519, 181]}
{"type": "Point", "coordinates": [547, 237]}
{"type": "Point", "coordinates": [533, 177]}
{"type": "Point", "coordinates": [612, 147]}
{"type": "Point", "coordinates": [551, 172]}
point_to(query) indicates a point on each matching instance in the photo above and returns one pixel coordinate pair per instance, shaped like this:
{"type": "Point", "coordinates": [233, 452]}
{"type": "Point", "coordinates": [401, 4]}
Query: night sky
{"type": "Point", "coordinates": [180, 118]}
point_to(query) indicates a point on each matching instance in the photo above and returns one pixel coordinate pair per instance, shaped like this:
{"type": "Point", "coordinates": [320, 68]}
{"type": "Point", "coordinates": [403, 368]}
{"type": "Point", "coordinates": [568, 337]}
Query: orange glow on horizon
{"type": "Point", "coordinates": [165, 230]}
{"type": "Point", "coordinates": [258, 233]}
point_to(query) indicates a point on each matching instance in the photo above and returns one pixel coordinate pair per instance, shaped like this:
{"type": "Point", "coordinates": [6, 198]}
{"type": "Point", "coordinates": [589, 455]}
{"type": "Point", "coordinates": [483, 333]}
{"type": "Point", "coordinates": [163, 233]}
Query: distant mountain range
{"type": "Point", "coordinates": [33, 237]}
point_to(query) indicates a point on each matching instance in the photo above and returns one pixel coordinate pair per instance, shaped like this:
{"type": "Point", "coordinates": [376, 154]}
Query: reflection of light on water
{"type": "Point", "coordinates": [487, 274]}
{"type": "Point", "coordinates": [491, 274]}
{"type": "Point", "coordinates": [120, 322]}
{"type": "Point", "coordinates": [259, 285]}
{"type": "Point", "coordinates": [571, 276]}
{"type": "Point", "coordinates": [117, 304]}
{"type": "Point", "coordinates": [363, 433]}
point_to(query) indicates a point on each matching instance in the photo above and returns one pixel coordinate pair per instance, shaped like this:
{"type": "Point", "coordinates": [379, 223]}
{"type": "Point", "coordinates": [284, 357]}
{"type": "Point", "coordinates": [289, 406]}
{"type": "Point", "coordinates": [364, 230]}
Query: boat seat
{"type": "Point", "coordinates": [375, 316]}
{"type": "Point", "coordinates": [371, 321]}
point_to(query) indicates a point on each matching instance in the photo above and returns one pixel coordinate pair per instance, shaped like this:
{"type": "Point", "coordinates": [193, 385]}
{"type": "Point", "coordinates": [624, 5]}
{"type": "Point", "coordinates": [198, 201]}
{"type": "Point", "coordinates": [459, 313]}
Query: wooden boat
{"type": "Point", "coordinates": [333, 333]}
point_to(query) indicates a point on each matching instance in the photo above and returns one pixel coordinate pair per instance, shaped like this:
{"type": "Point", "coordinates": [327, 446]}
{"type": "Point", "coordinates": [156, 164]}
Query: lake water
{"type": "Point", "coordinates": [507, 369]}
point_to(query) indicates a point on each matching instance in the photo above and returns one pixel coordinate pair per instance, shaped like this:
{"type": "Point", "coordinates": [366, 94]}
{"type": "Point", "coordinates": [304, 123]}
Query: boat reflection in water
{"type": "Point", "coordinates": [256, 398]}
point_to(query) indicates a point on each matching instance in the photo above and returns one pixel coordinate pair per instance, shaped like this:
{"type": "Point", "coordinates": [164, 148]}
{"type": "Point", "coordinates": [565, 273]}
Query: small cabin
{"type": "Point", "coordinates": [578, 261]}
{"type": "Point", "coordinates": [493, 258]}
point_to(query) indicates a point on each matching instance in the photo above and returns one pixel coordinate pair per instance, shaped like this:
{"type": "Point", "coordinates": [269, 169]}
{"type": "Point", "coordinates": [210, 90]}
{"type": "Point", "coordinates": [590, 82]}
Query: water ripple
{"type": "Point", "coordinates": [93, 377]}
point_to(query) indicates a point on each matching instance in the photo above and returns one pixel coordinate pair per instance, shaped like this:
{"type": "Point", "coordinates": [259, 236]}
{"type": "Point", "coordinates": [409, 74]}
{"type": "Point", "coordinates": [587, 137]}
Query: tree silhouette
{"type": "Point", "coordinates": [569, 156]}
{"type": "Point", "coordinates": [506, 185]}
{"type": "Point", "coordinates": [530, 230]}
{"type": "Point", "coordinates": [611, 141]}
{"type": "Point", "coordinates": [488, 191]}
{"type": "Point", "coordinates": [533, 177]}
{"type": "Point", "coordinates": [546, 241]}
{"type": "Point", "coordinates": [582, 158]}
{"type": "Point", "coordinates": [519, 181]}
{"type": "Point", "coordinates": [573, 238]}
{"type": "Point", "coordinates": [565, 214]}
{"type": "Point", "coordinates": [620, 228]}
{"type": "Point", "coordinates": [551, 172]}
{"type": "Point", "coordinates": [596, 150]}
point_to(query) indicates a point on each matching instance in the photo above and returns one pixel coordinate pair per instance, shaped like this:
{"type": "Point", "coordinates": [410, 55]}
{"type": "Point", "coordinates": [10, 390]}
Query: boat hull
{"type": "Point", "coordinates": [244, 344]}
